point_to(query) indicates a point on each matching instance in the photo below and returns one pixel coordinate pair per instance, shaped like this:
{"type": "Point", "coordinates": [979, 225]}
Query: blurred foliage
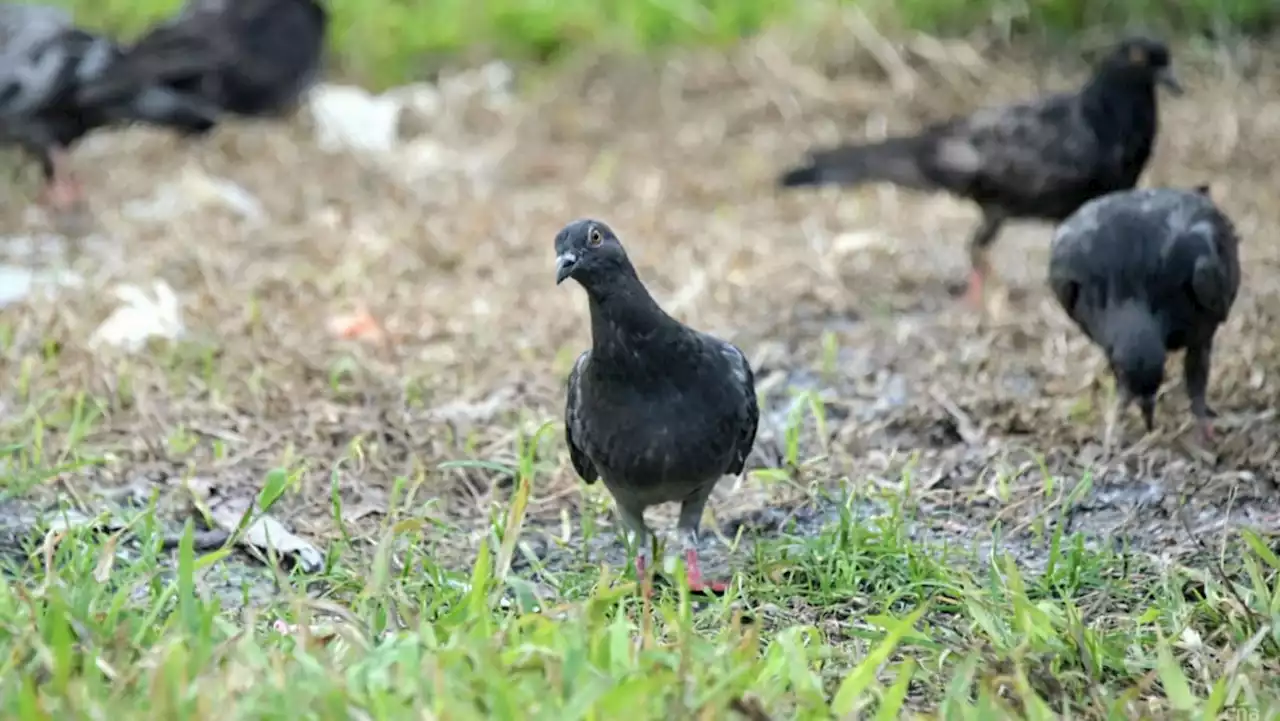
{"type": "Point", "coordinates": [393, 40]}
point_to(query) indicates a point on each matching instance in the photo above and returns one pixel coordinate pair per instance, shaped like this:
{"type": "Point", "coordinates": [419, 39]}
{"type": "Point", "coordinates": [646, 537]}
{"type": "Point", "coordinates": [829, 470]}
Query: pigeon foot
{"type": "Point", "coordinates": [694, 574]}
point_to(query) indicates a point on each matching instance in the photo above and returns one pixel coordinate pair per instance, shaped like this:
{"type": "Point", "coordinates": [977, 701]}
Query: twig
{"type": "Point", "coordinates": [965, 426]}
{"type": "Point", "coordinates": [901, 76]}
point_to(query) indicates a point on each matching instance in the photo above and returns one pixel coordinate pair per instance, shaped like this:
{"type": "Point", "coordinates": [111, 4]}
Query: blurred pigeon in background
{"type": "Point", "coordinates": [658, 410]}
{"type": "Point", "coordinates": [1041, 159]}
{"type": "Point", "coordinates": [258, 56]}
{"type": "Point", "coordinates": [49, 99]}
{"type": "Point", "coordinates": [1144, 272]}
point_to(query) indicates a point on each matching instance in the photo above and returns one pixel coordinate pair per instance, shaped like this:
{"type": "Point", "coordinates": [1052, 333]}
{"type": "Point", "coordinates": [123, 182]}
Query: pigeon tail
{"type": "Point", "coordinates": [160, 106]}
{"type": "Point", "coordinates": [169, 61]}
{"type": "Point", "coordinates": [896, 160]}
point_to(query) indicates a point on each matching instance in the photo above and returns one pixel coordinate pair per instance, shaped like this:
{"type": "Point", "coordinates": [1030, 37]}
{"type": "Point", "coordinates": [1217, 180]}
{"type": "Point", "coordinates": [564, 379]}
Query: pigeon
{"type": "Point", "coordinates": [658, 410]}
{"type": "Point", "coordinates": [47, 67]}
{"type": "Point", "coordinates": [1145, 272]}
{"type": "Point", "coordinates": [1041, 159]}
{"type": "Point", "coordinates": [257, 57]}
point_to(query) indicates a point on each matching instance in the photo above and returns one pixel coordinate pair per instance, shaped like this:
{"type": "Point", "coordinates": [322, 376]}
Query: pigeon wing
{"type": "Point", "coordinates": [1020, 151]}
{"type": "Point", "coordinates": [1215, 279]}
{"type": "Point", "coordinates": [573, 420]}
{"type": "Point", "coordinates": [1071, 266]}
{"type": "Point", "coordinates": [741, 370]}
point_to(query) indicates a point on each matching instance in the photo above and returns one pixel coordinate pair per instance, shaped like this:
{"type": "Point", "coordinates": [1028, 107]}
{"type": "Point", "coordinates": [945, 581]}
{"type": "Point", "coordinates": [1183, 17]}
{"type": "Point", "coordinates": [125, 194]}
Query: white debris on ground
{"type": "Point", "coordinates": [195, 190]}
{"type": "Point", "coordinates": [140, 318]}
{"type": "Point", "coordinates": [36, 246]}
{"type": "Point", "coordinates": [465, 414]}
{"type": "Point", "coordinates": [18, 283]}
{"type": "Point", "coordinates": [266, 534]}
{"type": "Point", "coordinates": [350, 119]}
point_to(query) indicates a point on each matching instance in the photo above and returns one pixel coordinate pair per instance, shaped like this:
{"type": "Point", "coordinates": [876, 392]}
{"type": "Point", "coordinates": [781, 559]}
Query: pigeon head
{"type": "Point", "coordinates": [589, 252]}
{"type": "Point", "coordinates": [1142, 59]}
{"type": "Point", "coordinates": [1136, 351]}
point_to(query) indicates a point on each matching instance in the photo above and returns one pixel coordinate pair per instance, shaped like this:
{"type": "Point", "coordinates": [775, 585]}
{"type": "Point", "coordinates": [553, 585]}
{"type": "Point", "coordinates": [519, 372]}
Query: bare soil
{"type": "Point", "coordinates": [841, 293]}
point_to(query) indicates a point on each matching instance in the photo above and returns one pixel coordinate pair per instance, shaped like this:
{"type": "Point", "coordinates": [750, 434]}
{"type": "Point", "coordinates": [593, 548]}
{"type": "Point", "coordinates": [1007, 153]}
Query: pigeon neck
{"type": "Point", "coordinates": [1132, 323]}
{"type": "Point", "coordinates": [624, 316]}
{"type": "Point", "coordinates": [1120, 107]}
{"type": "Point", "coordinates": [1135, 347]}
{"type": "Point", "coordinates": [1120, 99]}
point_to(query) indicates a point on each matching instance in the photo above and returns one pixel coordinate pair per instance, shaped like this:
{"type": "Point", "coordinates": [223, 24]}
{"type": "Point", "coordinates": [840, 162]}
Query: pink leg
{"type": "Point", "coordinates": [63, 192]}
{"type": "Point", "coordinates": [1205, 425]}
{"type": "Point", "coordinates": [646, 584]}
{"type": "Point", "coordinates": [694, 573]}
{"type": "Point", "coordinates": [973, 294]}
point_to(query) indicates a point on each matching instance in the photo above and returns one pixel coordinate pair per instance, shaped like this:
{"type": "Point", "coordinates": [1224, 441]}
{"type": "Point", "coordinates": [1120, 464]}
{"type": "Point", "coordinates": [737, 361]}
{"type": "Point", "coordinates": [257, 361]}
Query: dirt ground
{"type": "Point", "coordinates": [842, 293]}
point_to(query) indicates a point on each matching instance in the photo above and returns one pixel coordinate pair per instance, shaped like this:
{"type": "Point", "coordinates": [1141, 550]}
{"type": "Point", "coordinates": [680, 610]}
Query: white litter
{"type": "Point", "coordinates": [420, 98]}
{"type": "Point", "coordinates": [493, 83]}
{"type": "Point", "coordinates": [351, 118]}
{"type": "Point", "coordinates": [857, 241]}
{"type": "Point", "coordinates": [18, 283]}
{"type": "Point", "coordinates": [140, 318]}
{"type": "Point", "coordinates": [195, 189]}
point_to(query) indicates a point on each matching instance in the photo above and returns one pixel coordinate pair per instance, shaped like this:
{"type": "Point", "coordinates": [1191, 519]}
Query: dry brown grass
{"type": "Point", "coordinates": [680, 160]}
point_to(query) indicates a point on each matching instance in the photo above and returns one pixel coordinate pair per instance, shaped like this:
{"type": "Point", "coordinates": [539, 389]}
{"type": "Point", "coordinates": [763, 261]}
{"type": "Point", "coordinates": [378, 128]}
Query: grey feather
{"type": "Point", "coordinates": [1145, 272]}
{"type": "Point", "coordinates": [573, 417]}
{"type": "Point", "coordinates": [49, 73]}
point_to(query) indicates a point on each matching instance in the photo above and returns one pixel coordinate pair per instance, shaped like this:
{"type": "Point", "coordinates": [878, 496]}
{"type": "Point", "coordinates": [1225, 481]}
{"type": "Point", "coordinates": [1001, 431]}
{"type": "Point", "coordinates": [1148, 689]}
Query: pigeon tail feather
{"type": "Point", "coordinates": [896, 160]}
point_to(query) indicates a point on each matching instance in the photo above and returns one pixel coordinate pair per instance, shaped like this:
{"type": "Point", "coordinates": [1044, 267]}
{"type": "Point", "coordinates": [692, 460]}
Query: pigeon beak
{"type": "Point", "coordinates": [1148, 406]}
{"type": "Point", "coordinates": [565, 263]}
{"type": "Point", "coordinates": [1165, 77]}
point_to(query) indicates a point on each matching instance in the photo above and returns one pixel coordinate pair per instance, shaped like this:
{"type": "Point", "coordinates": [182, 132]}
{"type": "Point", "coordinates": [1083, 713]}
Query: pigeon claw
{"type": "Point", "coordinates": [694, 575]}
{"type": "Point", "coordinates": [63, 194]}
{"type": "Point", "coordinates": [713, 588]}
{"type": "Point", "coordinates": [646, 583]}
{"type": "Point", "coordinates": [65, 201]}
{"type": "Point", "coordinates": [1205, 426]}
{"type": "Point", "coordinates": [973, 294]}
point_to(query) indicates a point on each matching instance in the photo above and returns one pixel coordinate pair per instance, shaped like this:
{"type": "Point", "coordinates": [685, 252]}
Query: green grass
{"type": "Point", "coordinates": [858, 621]}
{"type": "Point", "coordinates": [393, 40]}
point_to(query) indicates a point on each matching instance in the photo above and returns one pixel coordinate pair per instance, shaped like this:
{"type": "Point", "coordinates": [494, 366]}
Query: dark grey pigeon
{"type": "Point", "coordinates": [258, 56]}
{"type": "Point", "coordinates": [658, 410]}
{"type": "Point", "coordinates": [1145, 272]}
{"type": "Point", "coordinates": [48, 67]}
{"type": "Point", "coordinates": [1035, 160]}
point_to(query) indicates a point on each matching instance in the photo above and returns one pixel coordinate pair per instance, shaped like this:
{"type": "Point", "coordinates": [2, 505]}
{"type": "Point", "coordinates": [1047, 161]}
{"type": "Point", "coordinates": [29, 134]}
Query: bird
{"type": "Point", "coordinates": [659, 411]}
{"type": "Point", "coordinates": [1142, 273]}
{"type": "Point", "coordinates": [47, 67]}
{"type": "Point", "coordinates": [257, 57]}
{"type": "Point", "coordinates": [1038, 159]}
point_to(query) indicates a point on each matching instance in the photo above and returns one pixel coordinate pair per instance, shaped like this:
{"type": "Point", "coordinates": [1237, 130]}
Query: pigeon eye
{"type": "Point", "coordinates": [594, 239]}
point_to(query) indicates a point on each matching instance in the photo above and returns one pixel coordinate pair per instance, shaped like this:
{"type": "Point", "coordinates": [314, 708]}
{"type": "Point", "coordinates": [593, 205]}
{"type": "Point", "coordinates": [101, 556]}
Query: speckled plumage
{"type": "Point", "coordinates": [658, 410]}
{"type": "Point", "coordinates": [1040, 159]}
{"type": "Point", "coordinates": [49, 70]}
{"type": "Point", "coordinates": [1145, 272]}
{"type": "Point", "coordinates": [248, 57]}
